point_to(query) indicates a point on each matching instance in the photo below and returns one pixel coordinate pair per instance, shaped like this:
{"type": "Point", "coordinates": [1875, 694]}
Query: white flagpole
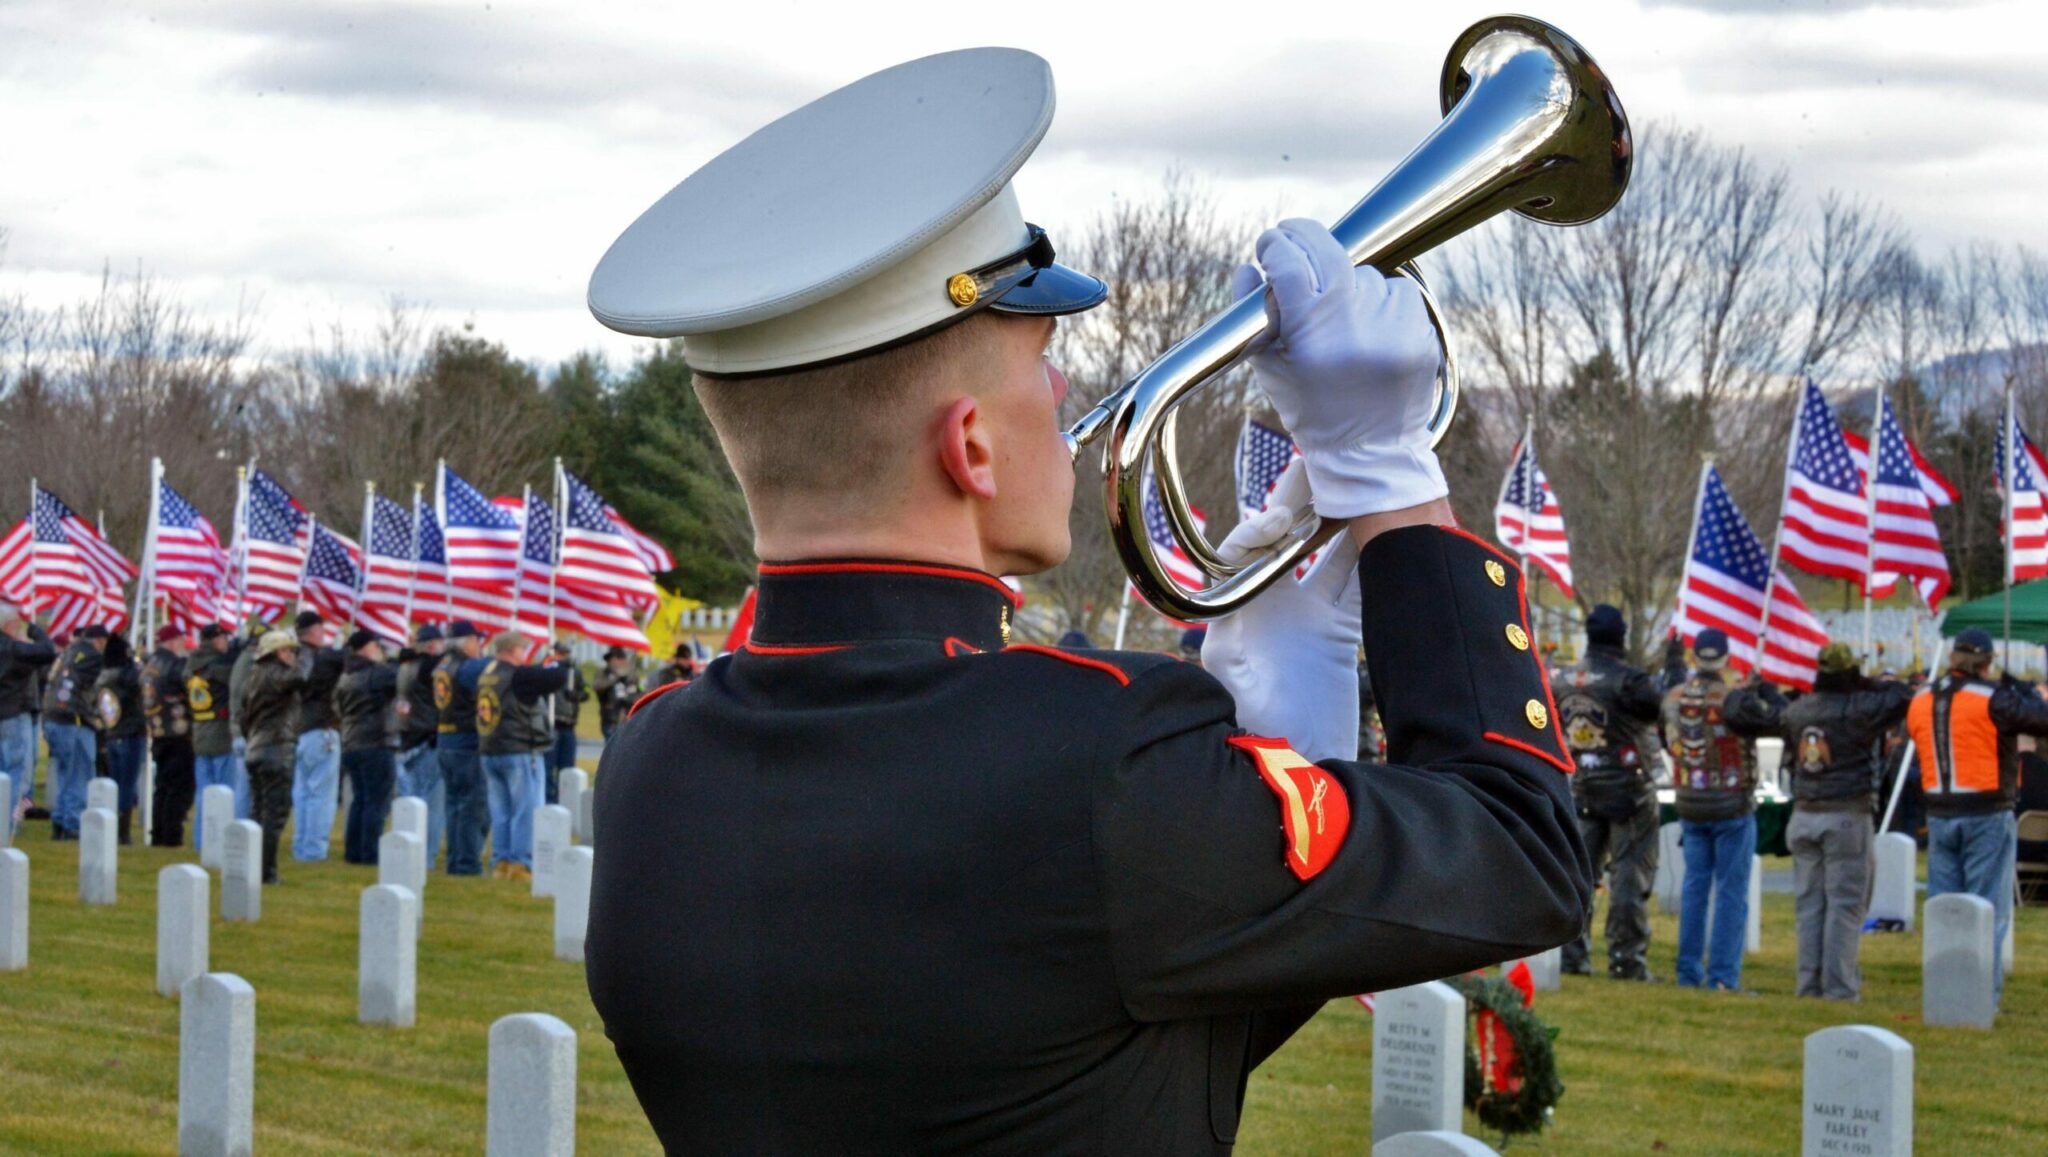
{"type": "Point", "coordinates": [145, 583]}
{"type": "Point", "coordinates": [412, 584]}
{"type": "Point", "coordinates": [306, 560]}
{"type": "Point", "coordinates": [1763, 631]}
{"type": "Point", "coordinates": [2011, 532]}
{"type": "Point", "coordinates": [34, 488]}
{"type": "Point", "coordinates": [1870, 526]}
{"type": "Point", "coordinates": [555, 547]}
{"type": "Point", "coordinates": [1692, 540]}
{"type": "Point", "coordinates": [441, 518]}
{"type": "Point", "coordinates": [1528, 524]}
{"type": "Point", "coordinates": [239, 558]}
{"type": "Point", "coordinates": [1123, 617]}
{"type": "Point", "coordinates": [519, 575]}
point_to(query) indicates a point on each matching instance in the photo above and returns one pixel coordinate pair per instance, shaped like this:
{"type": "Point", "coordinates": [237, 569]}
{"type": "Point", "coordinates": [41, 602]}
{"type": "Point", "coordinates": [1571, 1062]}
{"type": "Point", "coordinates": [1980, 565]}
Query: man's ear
{"type": "Point", "coordinates": [965, 450]}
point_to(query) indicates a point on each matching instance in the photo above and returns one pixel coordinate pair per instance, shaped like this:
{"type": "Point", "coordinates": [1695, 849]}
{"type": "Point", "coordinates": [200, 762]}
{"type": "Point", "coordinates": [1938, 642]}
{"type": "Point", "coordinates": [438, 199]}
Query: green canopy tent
{"type": "Point", "coordinates": [2029, 614]}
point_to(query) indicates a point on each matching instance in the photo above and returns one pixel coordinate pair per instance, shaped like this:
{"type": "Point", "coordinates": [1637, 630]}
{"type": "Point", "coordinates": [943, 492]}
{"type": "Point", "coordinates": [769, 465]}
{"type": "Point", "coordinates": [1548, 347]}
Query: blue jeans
{"type": "Point", "coordinates": [419, 775]}
{"type": "Point", "coordinates": [316, 778]}
{"type": "Point", "coordinates": [468, 813]}
{"type": "Point", "coordinates": [124, 765]}
{"type": "Point", "coordinates": [17, 762]}
{"type": "Point", "coordinates": [563, 755]}
{"type": "Point", "coordinates": [515, 789]}
{"type": "Point", "coordinates": [211, 771]}
{"type": "Point", "coordinates": [1718, 854]}
{"type": "Point", "coordinates": [73, 751]}
{"type": "Point", "coordinates": [1975, 854]}
{"type": "Point", "coordinates": [370, 772]}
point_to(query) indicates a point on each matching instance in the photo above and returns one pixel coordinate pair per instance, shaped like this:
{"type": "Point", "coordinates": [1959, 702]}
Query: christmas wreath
{"type": "Point", "coordinates": [1511, 1080]}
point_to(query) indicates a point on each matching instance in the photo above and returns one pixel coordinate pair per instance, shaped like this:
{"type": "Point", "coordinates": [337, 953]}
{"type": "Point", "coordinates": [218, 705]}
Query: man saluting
{"type": "Point", "coordinates": [915, 888]}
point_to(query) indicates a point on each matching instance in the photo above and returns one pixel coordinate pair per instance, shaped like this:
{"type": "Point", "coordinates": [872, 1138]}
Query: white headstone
{"type": "Point", "coordinates": [181, 926]}
{"type": "Point", "coordinates": [241, 871]}
{"type": "Point", "coordinates": [1753, 937]}
{"type": "Point", "coordinates": [6, 811]}
{"type": "Point", "coordinates": [409, 814]}
{"type": "Point", "coordinates": [402, 860]}
{"type": "Point", "coordinates": [1958, 961]}
{"type": "Point", "coordinates": [531, 1108]}
{"type": "Point", "coordinates": [103, 792]}
{"type": "Point", "coordinates": [571, 784]}
{"type": "Point", "coordinates": [1669, 884]}
{"type": "Point", "coordinates": [586, 818]}
{"type": "Point", "coordinates": [1433, 1144]}
{"type": "Point", "coordinates": [1546, 969]}
{"type": "Point", "coordinates": [387, 952]}
{"type": "Point", "coordinates": [216, 1066]}
{"type": "Point", "coordinates": [1891, 898]}
{"type": "Point", "coordinates": [216, 812]}
{"type": "Point", "coordinates": [1858, 1094]}
{"type": "Point", "coordinates": [1418, 1060]}
{"type": "Point", "coordinates": [13, 910]}
{"type": "Point", "coordinates": [98, 857]}
{"type": "Point", "coordinates": [572, 902]}
{"type": "Point", "coordinates": [551, 826]}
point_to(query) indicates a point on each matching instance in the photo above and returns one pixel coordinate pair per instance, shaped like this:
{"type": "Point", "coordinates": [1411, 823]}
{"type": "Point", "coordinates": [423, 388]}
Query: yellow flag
{"type": "Point", "coordinates": [666, 627]}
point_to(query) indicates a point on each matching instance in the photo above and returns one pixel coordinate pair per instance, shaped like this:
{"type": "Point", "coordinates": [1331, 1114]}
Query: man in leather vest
{"type": "Point", "coordinates": [122, 738]}
{"type": "Point", "coordinates": [207, 692]}
{"type": "Point", "coordinates": [512, 722]}
{"type": "Point", "coordinates": [74, 746]}
{"type": "Point", "coordinates": [1609, 712]}
{"type": "Point", "coordinates": [363, 699]}
{"type": "Point", "coordinates": [170, 736]}
{"type": "Point", "coordinates": [1965, 728]}
{"type": "Point", "coordinates": [1833, 739]}
{"type": "Point", "coordinates": [455, 749]}
{"type": "Point", "coordinates": [419, 767]}
{"type": "Point", "coordinates": [1713, 766]}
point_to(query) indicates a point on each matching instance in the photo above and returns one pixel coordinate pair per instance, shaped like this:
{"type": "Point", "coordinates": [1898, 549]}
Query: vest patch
{"type": "Point", "coordinates": [1313, 808]}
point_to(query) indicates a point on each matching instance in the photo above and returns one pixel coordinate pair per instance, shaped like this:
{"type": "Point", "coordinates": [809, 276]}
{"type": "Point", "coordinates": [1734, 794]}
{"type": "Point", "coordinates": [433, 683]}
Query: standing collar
{"type": "Point", "coordinates": [821, 602]}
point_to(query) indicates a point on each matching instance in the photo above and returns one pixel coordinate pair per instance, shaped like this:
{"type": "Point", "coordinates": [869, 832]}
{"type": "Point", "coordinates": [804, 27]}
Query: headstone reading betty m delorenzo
{"type": "Point", "coordinates": [13, 909]}
{"type": "Point", "coordinates": [103, 792]}
{"type": "Point", "coordinates": [1959, 962]}
{"type": "Point", "coordinates": [572, 902]}
{"type": "Point", "coordinates": [1418, 1060]}
{"type": "Point", "coordinates": [216, 812]}
{"type": "Point", "coordinates": [98, 857]}
{"type": "Point", "coordinates": [1436, 1143]}
{"type": "Point", "coordinates": [1859, 1094]}
{"type": "Point", "coordinates": [402, 860]}
{"type": "Point", "coordinates": [182, 928]}
{"type": "Point", "coordinates": [550, 838]}
{"type": "Point", "coordinates": [387, 954]}
{"type": "Point", "coordinates": [1891, 898]}
{"type": "Point", "coordinates": [216, 1066]}
{"type": "Point", "coordinates": [1669, 883]}
{"type": "Point", "coordinates": [241, 872]}
{"type": "Point", "coordinates": [530, 1109]}
{"type": "Point", "coordinates": [571, 784]}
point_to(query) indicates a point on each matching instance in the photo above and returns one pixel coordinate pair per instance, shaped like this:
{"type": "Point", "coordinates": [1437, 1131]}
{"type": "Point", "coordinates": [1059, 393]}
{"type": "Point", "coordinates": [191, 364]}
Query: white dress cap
{"type": "Point", "coordinates": [872, 215]}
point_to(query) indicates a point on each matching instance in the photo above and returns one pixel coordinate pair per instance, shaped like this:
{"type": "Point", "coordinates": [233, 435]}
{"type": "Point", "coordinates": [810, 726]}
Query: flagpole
{"type": "Point", "coordinates": [306, 560]}
{"type": "Point", "coordinates": [441, 517]}
{"type": "Point", "coordinates": [33, 489]}
{"type": "Point", "coordinates": [240, 561]}
{"type": "Point", "coordinates": [2011, 469]}
{"type": "Point", "coordinates": [555, 548]}
{"type": "Point", "coordinates": [1870, 526]}
{"type": "Point", "coordinates": [1123, 616]}
{"type": "Point", "coordinates": [412, 582]}
{"type": "Point", "coordinates": [519, 575]}
{"type": "Point", "coordinates": [363, 572]}
{"type": "Point", "coordinates": [1529, 526]}
{"type": "Point", "coordinates": [145, 582]}
{"type": "Point", "coordinates": [1763, 631]}
{"type": "Point", "coordinates": [1692, 539]}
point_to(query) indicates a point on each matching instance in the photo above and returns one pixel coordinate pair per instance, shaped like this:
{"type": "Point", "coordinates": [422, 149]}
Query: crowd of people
{"type": "Point", "coordinates": [475, 726]}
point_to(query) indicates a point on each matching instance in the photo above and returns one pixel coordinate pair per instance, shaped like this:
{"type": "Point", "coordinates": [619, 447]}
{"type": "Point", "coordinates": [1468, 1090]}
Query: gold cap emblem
{"type": "Point", "coordinates": [963, 289]}
{"type": "Point", "coordinates": [1517, 637]}
{"type": "Point", "coordinates": [1496, 572]}
{"type": "Point", "coordinates": [1538, 717]}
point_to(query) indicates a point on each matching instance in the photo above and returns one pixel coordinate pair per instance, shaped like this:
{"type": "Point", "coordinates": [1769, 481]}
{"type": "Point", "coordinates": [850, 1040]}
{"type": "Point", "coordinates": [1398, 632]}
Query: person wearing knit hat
{"type": "Point", "coordinates": [365, 700]}
{"type": "Point", "coordinates": [1833, 736]}
{"type": "Point", "coordinates": [165, 703]}
{"type": "Point", "coordinates": [1608, 710]}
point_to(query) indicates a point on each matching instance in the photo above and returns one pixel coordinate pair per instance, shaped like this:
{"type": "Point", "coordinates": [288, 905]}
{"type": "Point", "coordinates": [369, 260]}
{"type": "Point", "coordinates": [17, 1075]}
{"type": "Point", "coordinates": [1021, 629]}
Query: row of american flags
{"type": "Point", "coordinates": [1855, 508]}
{"type": "Point", "coordinates": [539, 566]}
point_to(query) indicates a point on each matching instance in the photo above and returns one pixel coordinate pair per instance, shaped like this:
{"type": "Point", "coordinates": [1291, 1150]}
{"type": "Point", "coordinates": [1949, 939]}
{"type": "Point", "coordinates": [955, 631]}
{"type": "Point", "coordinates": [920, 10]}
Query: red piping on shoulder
{"type": "Point", "coordinates": [644, 700]}
{"type": "Point", "coordinates": [1111, 669]}
{"type": "Point", "coordinates": [931, 570]}
{"type": "Point", "coordinates": [753, 648]}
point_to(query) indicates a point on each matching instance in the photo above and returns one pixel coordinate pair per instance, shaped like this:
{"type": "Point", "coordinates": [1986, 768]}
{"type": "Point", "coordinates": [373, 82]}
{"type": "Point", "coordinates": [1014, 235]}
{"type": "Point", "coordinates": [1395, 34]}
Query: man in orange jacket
{"type": "Point", "coordinates": [1964, 727]}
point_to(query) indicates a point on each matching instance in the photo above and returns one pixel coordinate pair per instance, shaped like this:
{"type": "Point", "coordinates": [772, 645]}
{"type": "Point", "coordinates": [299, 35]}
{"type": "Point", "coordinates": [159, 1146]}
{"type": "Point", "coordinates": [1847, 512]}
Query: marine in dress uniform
{"type": "Point", "coordinates": [924, 888]}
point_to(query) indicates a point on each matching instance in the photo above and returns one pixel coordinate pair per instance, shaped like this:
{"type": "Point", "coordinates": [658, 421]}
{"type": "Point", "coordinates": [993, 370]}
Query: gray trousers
{"type": "Point", "coordinates": [1831, 870]}
{"type": "Point", "coordinates": [1626, 851]}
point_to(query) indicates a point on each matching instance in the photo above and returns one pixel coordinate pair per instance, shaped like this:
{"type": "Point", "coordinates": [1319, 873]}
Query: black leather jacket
{"type": "Point", "coordinates": [364, 700]}
{"type": "Point", "coordinates": [1833, 736]}
{"type": "Point", "coordinates": [20, 659]}
{"type": "Point", "coordinates": [1608, 710]}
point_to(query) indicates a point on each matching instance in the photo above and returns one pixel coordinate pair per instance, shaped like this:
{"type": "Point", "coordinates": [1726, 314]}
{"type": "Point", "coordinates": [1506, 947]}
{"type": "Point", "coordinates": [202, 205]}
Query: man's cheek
{"type": "Point", "coordinates": [1058, 381]}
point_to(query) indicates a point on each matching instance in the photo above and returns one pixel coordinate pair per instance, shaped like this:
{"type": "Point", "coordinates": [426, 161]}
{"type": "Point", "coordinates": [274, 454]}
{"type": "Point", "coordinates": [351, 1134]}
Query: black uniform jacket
{"type": "Point", "coordinates": [876, 884]}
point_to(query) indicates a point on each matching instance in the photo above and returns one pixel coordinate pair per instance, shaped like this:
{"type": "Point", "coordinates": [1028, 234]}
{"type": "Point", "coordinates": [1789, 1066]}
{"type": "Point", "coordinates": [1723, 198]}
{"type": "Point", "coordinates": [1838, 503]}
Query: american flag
{"type": "Point", "coordinates": [429, 596]}
{"type": "Point", "coordinates": [387, 569]}
{"type": "Point", "coordinates": [1159, 528]}
{"type": "Point", "coordinates": [1528, 520]}
{"type": "Point", "coordinates": [1825, 528]}
{"type": "Point", "coordinates": [654, 556]}
{"type": "Point", "coordinates": [1904, 538]}
{"type": "Point", "coordinates": [1727, 577]}
{"type": "Point", "coordinates": [272, 546]}
{"type": "Point", "coordinates": [482, 540]}
{"type": "Point", "coordinates": [59, 565]}
{"type": "Point", "coordinates": [596, 614]}
{"type": "Point", "coordinates": [69, 611]}
{"type": "Point", "coordinates": [187, 564]}
{"type": "Point", "coordinates": [333, 568]}
{"type": "Point", "coordinates": [1939, 490]}
{"type": "Point", "coordinates": [1262, 456]}
{"type": "Point", "coordinates": [596, 553]}
{"type": "Point", "coordinates": [2027, 537]}
{"type": "Point", "coordinates": [108, 568]}
{"type": "Point", "coordinates": [17, 558]}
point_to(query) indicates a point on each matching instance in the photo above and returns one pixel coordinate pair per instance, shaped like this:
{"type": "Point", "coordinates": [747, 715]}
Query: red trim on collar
{"type": "Point", "coordinates": [651, 695]}
{"type": "Point", "coordinates": [1114, 671]}
{"type": "Point", "coordinates": [929, 570]}
{"type": "Point", "coordinates": [754, 648]}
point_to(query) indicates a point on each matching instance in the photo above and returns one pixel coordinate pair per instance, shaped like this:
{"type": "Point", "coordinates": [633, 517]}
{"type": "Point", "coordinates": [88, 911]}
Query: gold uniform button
{"type": "Point", "coordinates": [1538, 717]}
{"type": "Point", "coordinates": [963, 289]}
{"type": "Point", "coordinates": [1496, 572]}
{"type": "Point", "coordinates": [1517, 637]}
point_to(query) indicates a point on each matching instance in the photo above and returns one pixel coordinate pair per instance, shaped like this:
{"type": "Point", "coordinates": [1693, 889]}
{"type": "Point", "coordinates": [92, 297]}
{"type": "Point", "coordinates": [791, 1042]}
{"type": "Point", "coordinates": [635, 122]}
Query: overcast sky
{"type": "Point", "coordinates": [310, 158]}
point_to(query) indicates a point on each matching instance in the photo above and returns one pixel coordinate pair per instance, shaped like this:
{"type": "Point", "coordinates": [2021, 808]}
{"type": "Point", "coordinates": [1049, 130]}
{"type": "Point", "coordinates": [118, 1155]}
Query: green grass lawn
{"type": "Point", "coordinates": [88, 1052]}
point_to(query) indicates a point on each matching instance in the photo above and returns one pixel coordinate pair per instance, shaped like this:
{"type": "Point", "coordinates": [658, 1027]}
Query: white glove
{"type": "Point", "coordinates": [1350, 360]}
{"type": "Point", "coordinates": [1290, 656]}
